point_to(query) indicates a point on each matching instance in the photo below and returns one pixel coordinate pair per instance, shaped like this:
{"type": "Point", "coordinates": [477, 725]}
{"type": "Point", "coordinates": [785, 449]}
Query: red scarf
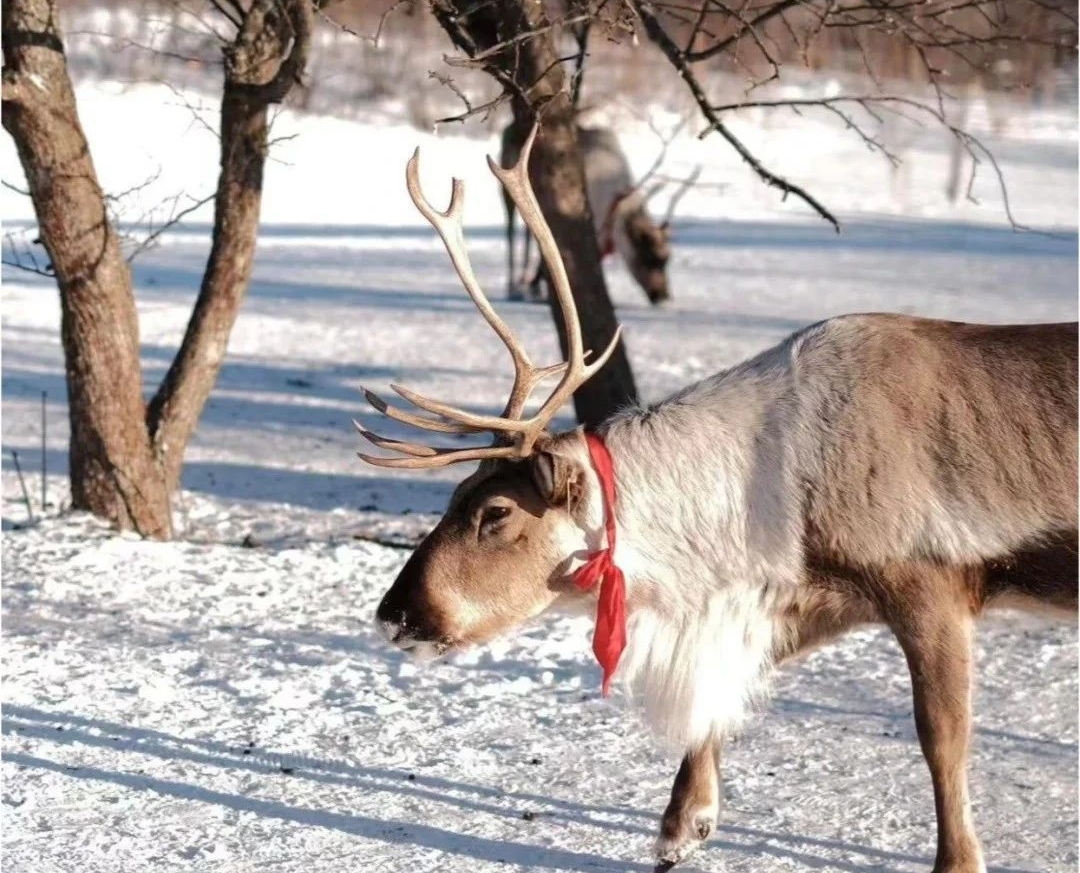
{"type": "Point", "coordinates": [609, 638]}
{"type": "Point", "coordinates": [607, 228]}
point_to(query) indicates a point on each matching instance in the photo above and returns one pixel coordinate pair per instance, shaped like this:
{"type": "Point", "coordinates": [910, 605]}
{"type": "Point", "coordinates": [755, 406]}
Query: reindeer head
{"type": "Point", "coordinates": [500, 555]}
{"type": "Point", "coordinates": [649, 254]}
{"type": "Point", "coordinates": [648, 243]}
{"type": "Point", "coordinates": [503, 550]}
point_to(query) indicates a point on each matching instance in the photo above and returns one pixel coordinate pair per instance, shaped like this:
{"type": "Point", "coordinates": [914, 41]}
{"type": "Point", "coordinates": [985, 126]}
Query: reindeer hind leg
{"type": "Point", "coordinates": [932, 619]}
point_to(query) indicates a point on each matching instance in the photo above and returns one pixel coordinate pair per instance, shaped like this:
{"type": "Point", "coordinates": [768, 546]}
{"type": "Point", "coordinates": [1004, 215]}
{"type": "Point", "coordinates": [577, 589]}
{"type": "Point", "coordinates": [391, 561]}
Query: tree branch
{"type": "Point", "coordinates": [677, 57]}
{"type": "Point", "coordinates": [724, 44]}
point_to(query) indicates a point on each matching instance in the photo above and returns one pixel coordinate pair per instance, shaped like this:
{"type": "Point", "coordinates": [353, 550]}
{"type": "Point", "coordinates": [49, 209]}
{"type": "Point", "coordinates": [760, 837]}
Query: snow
{"type": "Point", "coordinates": [202, 705]}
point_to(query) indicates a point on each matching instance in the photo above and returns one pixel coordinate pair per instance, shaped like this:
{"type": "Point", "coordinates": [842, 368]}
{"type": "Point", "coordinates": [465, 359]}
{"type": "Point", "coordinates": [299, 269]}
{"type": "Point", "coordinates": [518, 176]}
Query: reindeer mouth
{"type": "Point", "coordinates": [426, 651]}
{"type": "Point", "coordinates": [421, 649]}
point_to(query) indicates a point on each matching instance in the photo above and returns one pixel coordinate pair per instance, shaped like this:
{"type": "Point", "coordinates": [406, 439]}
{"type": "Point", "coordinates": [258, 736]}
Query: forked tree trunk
{"type": "Point", "coordinates": [557, 172]}
{"type": "Point", "coordinates": [126, 457]}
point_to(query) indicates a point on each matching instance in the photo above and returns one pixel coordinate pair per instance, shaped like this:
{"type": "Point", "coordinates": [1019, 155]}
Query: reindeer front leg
{"type": "Point", "coordinates": [691, 814]}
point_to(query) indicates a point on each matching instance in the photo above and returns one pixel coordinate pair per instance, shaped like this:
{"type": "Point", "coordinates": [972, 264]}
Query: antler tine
{"type": "Point", "coordinates": [684, 186]}
{"type": "Point", "coordinates": [448, 225]}
{"type": "Point", "coordinates": [456, 456]}
{"type": "Point", "coordinates": [437, 425]}
{"type": "Point", "coordinates": [419, 457]}
{"type": "Point", "coordinates": [516, 182]}
{"type": "Point", "coordinates": [495, 423]}
{"type": "Point", "coordinates": [406, 448]}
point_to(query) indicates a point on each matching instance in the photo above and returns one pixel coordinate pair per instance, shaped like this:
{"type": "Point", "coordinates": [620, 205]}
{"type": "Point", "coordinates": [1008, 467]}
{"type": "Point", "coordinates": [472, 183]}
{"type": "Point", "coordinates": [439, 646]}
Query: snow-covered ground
{"type": "Point", "coordinates": [206, 706]}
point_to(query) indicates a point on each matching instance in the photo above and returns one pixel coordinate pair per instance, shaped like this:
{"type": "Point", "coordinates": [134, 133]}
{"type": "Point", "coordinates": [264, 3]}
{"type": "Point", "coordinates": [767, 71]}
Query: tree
{"type": "Point", "coordinates": [516, 43]}
{"type": "Point", "coordinates": [125, 456]}
{"type": "Point", "coordinates": [915, 57]}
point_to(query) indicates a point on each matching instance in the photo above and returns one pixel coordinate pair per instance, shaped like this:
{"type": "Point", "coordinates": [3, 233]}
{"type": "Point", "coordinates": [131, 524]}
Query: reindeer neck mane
{"type": "Point", "coordinates": [710, 542]}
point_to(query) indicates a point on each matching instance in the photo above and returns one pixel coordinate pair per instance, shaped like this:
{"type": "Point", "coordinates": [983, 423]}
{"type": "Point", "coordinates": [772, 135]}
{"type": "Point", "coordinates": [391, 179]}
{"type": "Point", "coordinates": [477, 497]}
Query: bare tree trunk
{"type": "Point", "coordinates": [174, 410]}
{"type": "Point", "coordinates": [114, 473]}
{"type": "Point", "coordinates": [252, 83]}
{"type": "Point", "coordinates": [530, 69]}
{"type": "Point", "coordinates": [126, 457]}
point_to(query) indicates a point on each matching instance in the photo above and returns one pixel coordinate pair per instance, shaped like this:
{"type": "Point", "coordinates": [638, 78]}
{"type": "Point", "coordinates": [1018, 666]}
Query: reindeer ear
{"type": "Point", "coordinates": [557, 477]}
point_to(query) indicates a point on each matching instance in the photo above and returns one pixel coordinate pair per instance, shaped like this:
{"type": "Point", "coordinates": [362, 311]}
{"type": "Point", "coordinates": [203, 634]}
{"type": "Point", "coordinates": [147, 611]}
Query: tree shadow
{"type": "Point", "coordinates": [69, 729]}
{"type": "Point", "coordinates": [75, 730]}
{"type": "Point", "coordinates": [1042, 747]}
{"type": "Point", "coordinates": [306, 489]}
{"type": "Point", "coordinates": [383, 830]}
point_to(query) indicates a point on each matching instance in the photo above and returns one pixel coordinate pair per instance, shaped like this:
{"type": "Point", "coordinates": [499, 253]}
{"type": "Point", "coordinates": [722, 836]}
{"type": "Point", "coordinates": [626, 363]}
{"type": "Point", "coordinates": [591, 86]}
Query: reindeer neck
{"type": "Point", "coordinates": [706, 500]}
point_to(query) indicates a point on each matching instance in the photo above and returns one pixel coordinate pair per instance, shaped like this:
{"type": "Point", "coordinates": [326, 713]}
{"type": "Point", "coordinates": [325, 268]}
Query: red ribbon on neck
{"type": "Point", "coordinates": [609, 637]}
{"type": "Point", "coordinates": [607, 228]}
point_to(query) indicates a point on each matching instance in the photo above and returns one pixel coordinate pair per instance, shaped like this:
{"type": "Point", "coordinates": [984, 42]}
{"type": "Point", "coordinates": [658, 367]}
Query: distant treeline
{"type": "Point", "coordinates": [367, 50]}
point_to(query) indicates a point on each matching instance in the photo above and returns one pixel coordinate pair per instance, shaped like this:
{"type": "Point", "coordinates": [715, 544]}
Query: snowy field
{"type": "Point", "coordinates": [202, 705]}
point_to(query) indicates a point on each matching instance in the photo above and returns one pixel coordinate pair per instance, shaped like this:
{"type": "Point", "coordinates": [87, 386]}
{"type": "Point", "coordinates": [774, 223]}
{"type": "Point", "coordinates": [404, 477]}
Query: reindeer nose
{"type": "Point", "coordinates": [390, 620]}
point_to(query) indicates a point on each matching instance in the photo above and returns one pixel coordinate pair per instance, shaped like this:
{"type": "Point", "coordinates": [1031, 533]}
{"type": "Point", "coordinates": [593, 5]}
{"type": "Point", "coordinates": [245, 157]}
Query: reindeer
{"type": "Point", "coordinates": [621, 220]}
{"type": "Point", "coordinates": [871, 468]}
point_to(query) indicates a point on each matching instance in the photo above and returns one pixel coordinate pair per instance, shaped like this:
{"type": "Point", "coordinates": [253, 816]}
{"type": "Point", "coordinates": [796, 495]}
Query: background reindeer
{"type": "Point", "coordinates": [870, 468]}
{"type": "Point", "coordinates": [620, 216]}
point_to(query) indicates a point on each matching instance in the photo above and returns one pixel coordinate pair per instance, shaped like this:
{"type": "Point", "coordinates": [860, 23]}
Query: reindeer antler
{"type": "Point", "coordinates": [522, 432]}
{"type": "Point", "coordinates": [684, 186]}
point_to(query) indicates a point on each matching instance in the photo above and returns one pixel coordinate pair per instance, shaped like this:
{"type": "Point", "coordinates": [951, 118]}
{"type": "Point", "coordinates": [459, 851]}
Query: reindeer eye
{"type": "Point", "coordinates": [491, 516]}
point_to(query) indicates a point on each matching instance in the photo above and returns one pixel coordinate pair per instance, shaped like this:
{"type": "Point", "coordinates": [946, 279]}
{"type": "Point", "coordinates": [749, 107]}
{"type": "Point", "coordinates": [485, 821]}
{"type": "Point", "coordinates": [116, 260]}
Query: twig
{"type": "Point", "coordinates": [778, 8]}
{"type": "Point", "coordinates": [969, 141]}
{"type": "Point", "coordinates": [28, 262]}
{"type": "Point", "coordinates": [577, 78]}
{"type": "Point", "coordinates": [677, 57]}
{"type": "Point", "coordinates": [665, 143]}
{"type": "Point", "coordinates": [460, 36]}
{"type": "Point", "coordinates": [14, 188]}
{"type": "Point", "coordinates": [375, 37]}
{"type": "Point", "coordinates": [228, 14]}
{"type": "Point", "coordinates": [136, 188]}
{"type": "Point", "coordinates": [470, 109]}
{"type": "Point", "coordinates": [44, 468]}
{"type": "Point", "coordinates": [195, 111]}
{"type": "Point", "coordinates": [680, 192]}
{"type": "Point", "coordinates": [174, 219]}
{"type": "Point", "coordinates": [480, 57]}
{"type": "Point", "coordinates": [22, 484]}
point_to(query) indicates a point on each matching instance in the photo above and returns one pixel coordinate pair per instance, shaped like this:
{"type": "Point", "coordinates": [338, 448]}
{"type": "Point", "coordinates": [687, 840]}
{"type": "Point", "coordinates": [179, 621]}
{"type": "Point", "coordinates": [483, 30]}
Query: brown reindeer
{"type": "Point", "coordinates": [870, 468]}
{"type": "Point", "coordinates": [623, 224]}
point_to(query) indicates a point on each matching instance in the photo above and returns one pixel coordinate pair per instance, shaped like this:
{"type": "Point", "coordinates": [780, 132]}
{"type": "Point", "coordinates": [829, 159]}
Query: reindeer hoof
{"type": "Point", "coordinates": [669, 853]}
{"type": "Point", "coordinates": [677, 844]}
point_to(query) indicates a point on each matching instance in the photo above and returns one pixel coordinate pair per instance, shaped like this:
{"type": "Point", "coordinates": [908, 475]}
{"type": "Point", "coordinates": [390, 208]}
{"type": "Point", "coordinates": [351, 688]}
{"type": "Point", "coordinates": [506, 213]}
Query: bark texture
{"type": "Point", "coordinates": [114, 472]}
